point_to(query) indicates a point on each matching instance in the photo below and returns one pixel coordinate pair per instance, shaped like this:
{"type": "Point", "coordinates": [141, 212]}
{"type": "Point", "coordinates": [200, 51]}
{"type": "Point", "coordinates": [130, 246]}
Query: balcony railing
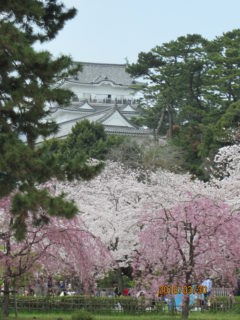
{"type": "Point", "coordinates": [112, 101]}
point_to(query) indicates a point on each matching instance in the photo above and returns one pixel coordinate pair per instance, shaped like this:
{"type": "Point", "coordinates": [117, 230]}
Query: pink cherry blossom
{"type": "Point", "coordinates": [61, 246]}
{"type": "Point", "coordinates": [184, 244]}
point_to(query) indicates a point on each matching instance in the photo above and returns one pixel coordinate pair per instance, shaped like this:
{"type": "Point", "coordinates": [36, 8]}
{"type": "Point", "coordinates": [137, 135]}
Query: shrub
{"type": "Point", "coordinates": [82, 315]}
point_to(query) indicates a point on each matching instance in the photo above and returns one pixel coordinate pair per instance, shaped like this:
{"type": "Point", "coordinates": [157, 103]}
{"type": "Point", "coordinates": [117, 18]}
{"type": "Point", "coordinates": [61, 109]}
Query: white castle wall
{"type": "Point", "coordinates": [102, 91]}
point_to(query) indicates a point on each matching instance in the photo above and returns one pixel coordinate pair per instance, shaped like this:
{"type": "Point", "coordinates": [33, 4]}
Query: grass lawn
{"type": "Point", "coordinates": [193, 316]}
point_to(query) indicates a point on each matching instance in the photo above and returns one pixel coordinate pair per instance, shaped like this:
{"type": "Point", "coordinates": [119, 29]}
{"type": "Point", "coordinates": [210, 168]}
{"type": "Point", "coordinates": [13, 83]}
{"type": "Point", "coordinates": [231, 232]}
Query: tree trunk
{"type": "Point", "coordinates": [173, 304]}
{"type": "Point", "coordinates": [160, 122]}
{"type": "Point", "coordinates": [170, 120]}
{"type": "Point", "coordinates": [185, 307]}
{"type": "Point", "coordinates": [6, 293]}
{"type": "Point", "coordinates": [6, 297]}
{"type": "Point", "coordinates": [15, 301]}
{"type": "Point", "coordinates": [120, 280]}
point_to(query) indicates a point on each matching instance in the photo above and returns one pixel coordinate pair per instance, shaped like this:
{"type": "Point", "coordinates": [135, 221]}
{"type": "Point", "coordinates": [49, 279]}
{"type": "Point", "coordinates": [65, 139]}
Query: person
{"type": "Point", "coordinates": [208, 284]}
{"type": "Point", "coordinates": [117, 293]}
{"type": "Point", "coordinates": [49, 285]}
{"type": "Point", "coordinates": [62, 286]}
{"type": "Point", "coordinates": [199, 300]}
{"type": "Point", "coordinates": [125, 292]}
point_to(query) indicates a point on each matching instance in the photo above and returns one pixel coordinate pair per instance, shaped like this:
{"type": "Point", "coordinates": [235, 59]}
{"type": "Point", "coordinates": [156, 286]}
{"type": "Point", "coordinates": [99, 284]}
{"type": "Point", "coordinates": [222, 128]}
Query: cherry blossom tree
{"type": "Point", "coordinates": [61, 245]}
{"type": "Point", "coordinates": [111, 203]}
{"type": "Point", "coordinates": [227, 161]}
{"type": "Point", "coordinates": [109, 206]}
{"type": "Point", "coordinates": [226, 175]}
{"type": "Point", "coordinates": [183, 245]}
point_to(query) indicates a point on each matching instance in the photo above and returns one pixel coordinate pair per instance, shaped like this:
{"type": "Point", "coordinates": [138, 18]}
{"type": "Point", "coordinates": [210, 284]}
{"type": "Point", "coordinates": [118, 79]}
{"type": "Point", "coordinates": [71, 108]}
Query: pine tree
{"type": "Point", "coordinates": [29, 83]}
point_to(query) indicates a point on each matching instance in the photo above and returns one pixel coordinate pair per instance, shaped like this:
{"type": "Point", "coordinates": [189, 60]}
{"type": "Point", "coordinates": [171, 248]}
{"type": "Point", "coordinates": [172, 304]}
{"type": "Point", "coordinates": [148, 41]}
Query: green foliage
{"type": "Point", "coordinates": [150, 117]}
{"type": "Point", "coordinates": [149, 316]}
{"type": "Point", "coordinates": [175, 71]}
{"type": "Point", "coordinates": [228, 124]}
{"type": "Point", "coordinates": [86, 137]}
{"type": "Point", "coordinates": [28, 85]}
{"type": "Point", "coordinates": [113, 278]}
{"type": "Point", "coordinates": [167, 157]}
{"type": "Point", "coordinates": [71, 304]}
{"type": "Point", "coordinates": [82, 315]}
{"type": "Point", "coordinates": [231, 118]}
{"type": "Point", "coordinates": [189, 140]}
{"type": "Point", "coordinates": [149, 155]}
{"type": "Point", "coordinates": [87, 141]}
{"type": "Point", "coordinates": [129, 153]}
{"type": "Point", "coordinates": [105, 307]}
{"type": "Point", "coordinates": [194, 85]}
{"type": "Point", "coordinates": [132, 309]}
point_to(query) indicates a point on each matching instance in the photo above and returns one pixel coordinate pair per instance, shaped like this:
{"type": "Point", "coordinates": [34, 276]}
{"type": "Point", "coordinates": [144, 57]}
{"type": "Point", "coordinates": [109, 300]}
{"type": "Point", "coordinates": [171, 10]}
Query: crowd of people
{"type": "Point", "coordinates": [48, 286]}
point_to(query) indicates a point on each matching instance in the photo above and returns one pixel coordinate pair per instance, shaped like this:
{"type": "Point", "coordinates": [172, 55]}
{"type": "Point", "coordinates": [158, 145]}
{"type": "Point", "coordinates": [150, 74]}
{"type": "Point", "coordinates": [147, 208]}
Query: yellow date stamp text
{"type": "Point", "coordinates": [175, 289]}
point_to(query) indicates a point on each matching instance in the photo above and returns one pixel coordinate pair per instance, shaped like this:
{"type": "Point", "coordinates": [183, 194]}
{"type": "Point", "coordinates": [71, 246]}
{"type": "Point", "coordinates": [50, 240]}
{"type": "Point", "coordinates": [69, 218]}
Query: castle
{"type": "Point", "coordinates": [103, 93]}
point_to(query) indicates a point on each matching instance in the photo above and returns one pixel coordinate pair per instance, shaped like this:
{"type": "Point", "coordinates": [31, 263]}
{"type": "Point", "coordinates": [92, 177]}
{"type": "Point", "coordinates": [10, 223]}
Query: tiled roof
{"type": "Point", "coordinates": [97, 72]}
{"type": "Point", "coordinates": [128, 108]}
{"type": "Point", "coordinates": [86, 106]}
{"type": "Point", "coordinates": [111, 117]}
{"type": "Point", "coordinates": [115, 118]}
{"type": "Point", "coordinates": [128, 131]}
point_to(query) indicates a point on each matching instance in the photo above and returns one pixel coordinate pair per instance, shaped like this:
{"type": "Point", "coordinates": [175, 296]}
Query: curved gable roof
{"type": "Point", "coordinates": [97, 72]}
{"type": "Point", "coordinates": [115, 118]}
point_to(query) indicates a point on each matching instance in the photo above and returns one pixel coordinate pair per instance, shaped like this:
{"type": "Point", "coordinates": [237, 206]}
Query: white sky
{"type": "Point", "coordinates": [111, 30]}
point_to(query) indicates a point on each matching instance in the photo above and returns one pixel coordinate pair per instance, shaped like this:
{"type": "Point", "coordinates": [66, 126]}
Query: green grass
{"type": "Point", "coordinates": [193, 316]}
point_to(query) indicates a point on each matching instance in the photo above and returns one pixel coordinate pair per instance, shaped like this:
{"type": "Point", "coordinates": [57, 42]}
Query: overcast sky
{"type": "Point", "coordinates": [110, 31]}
